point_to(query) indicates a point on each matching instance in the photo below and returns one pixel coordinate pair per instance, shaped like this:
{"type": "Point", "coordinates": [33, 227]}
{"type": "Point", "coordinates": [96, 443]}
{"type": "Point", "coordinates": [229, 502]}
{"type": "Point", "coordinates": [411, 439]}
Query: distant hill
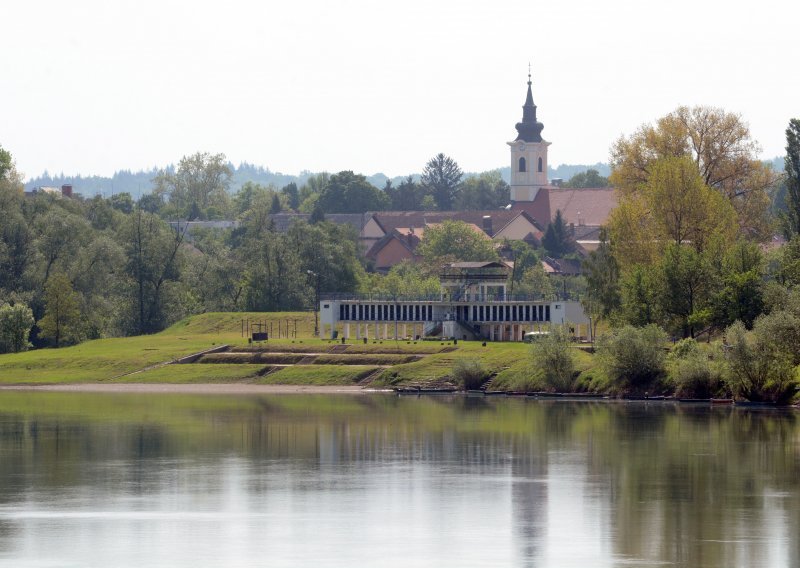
{"type": "Point", "coordinates": [140, 183]}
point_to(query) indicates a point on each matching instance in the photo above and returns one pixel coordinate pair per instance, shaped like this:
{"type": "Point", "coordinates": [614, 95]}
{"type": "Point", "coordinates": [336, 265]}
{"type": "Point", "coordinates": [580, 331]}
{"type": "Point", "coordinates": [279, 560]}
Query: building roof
{"type": "Point", "coordinates": [590, 206]}
{"type": "Point", "coordinates": [565, 266]}
{"type": "Point", "coordinates": [481, 264]}
{"type": "Point", "coordinates": [356, 220]}
{"type": "Point", "coordinates": [390, 220]}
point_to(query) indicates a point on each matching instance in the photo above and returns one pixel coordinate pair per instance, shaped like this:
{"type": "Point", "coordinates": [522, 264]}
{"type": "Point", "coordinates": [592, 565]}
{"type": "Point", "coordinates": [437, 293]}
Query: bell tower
{"type": "Point", "coordinates": [528, 156]}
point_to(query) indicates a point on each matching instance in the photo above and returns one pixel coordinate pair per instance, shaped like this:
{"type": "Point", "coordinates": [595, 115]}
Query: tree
{"type": "Point", "coordinates": [589, 178]}
{"type": "Point", "coordinates": [455, 241]}
{"type": "Point", "coordinates": [558, 239]}
{"type": "Point", "coordinates": [62, 314]}
{"type": "Point", "coordinates": [275, 206]}
{"type": "Point", "coordinates": [719, 145]}
{"type": "Point", "coordinates": [685, 288]}
{"type": "Point", "coordinates": [198, 188]}
{"type": "Point", "coordinates": [16, 322]}
{"type": "Point", "coordinates": [292, 195]}
{"type": "Point", "coordinates": [6, 164]}
{"type": "Point", "coordinates": [552, 359]}
{"type": "Point", "coordinates": [407, 196]}
{"type": "Point", "coordinates": [634, 356]}
{"type": "Point", "coordinates": [790, 219]}
{"type": "Point", "coordinates": [152, 262]}
{"type": "Point", "coordinates": [347, 192]}
{"type": "Point", "coordinates": [602, 296]}
{"type": "Point", "coordinates": [442, 178]}
{"type": "Point", "coordinates": [485, 191]}
{"type": "Point", "coordinates": [740, 295]}
{"type": "Point", "coordinates": [122, 202]}
{"type": "Point", "coordinates": [672, 205]}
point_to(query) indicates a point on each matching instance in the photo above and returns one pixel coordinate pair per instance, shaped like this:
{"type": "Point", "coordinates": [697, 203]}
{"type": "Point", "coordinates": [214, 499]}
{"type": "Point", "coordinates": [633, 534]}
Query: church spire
{"type": "Point", "coordinates": [529, 130]}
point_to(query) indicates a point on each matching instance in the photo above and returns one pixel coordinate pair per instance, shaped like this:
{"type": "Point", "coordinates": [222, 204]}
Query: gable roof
{"type": "Point", "coordinates": [590, 206]}
{"type": "Point", "coordinates": [390, 220]}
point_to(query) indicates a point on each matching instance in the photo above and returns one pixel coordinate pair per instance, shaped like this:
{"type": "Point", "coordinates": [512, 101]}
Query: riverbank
{"type": "Point", "coordinates": [198, 388]}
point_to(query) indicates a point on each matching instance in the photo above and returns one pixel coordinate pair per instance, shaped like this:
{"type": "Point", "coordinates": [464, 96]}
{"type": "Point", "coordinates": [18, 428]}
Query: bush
{"type": "Point", "coordinates": [15, 325]}
{"type": "Point", "coordinates": [470, 373]}
{"type": "Point", "coordinates": [694, 372]}
{"type": "Point", "coordinates": [634, 357]}
{"type": "Point", "coordinates": [759, 369]}
{"type": "Point", "coordinates": [552, 360]}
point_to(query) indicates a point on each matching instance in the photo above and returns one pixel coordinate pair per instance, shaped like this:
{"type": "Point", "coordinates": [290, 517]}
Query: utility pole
{"type": "Point", "coordinates": [316, 301]}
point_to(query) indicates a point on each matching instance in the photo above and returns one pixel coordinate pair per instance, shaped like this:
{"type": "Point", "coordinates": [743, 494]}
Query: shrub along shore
{"type": "Point", "coordinates": [629, 362]}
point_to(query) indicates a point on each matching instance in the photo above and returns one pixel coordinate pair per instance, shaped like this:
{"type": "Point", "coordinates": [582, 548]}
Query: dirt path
{"type": "Point", "coordinates": [223, 389]}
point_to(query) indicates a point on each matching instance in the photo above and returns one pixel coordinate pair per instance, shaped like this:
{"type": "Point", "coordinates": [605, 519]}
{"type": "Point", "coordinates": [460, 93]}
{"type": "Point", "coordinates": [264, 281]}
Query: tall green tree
{"type": "Point", "coordinates": [198, 188]}
{"type": "Point", "coordinates": [62, 315]}
{"type": "Point", "coordinates": [485, 191]}
{"type": "Point", "coordinates": [16, 322]}
{"type": "Point", "coordinates": [453, 241]}
{"type": "Point", "coordinates": [602, 297]}
{"type": "Point", "coordinates": [347, 192]}
{"type": "Point", "coordinates": [292, 195]}
{"type": "Point", "coordinates": [558, 239]}
{"type": "Point", "coordinates": [442, 180]}
{"type": "Point", "coordinates": [790, 219]}
{"type": "Point", "coordinates": [589, 178]}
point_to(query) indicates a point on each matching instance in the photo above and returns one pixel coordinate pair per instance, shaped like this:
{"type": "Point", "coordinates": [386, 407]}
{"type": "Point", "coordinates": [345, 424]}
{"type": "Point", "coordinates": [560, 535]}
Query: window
{"type": "Point", "coordinates": [540, 164]}
{"type": "Point", "coordinates": [522, 164]}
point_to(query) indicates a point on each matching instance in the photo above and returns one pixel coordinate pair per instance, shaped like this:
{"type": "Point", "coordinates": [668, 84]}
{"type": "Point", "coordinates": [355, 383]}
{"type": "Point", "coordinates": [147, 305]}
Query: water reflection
{"type": "Point", "coordinates": [168, 480]}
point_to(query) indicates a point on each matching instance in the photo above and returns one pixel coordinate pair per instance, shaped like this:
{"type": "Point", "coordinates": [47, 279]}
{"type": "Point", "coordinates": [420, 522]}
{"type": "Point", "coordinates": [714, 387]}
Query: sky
{"type": "Point", "coordinates": [94, 86]}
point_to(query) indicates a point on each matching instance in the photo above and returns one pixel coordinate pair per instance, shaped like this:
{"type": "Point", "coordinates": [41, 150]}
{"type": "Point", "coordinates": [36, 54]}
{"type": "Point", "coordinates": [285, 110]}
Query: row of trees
{"type": "Point", "coordinates": [199, 189]}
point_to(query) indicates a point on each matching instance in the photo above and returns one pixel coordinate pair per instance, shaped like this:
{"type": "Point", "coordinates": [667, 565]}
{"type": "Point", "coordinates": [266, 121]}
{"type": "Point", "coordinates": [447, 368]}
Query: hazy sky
{"type": "Point", "coordinates": [92, 86]}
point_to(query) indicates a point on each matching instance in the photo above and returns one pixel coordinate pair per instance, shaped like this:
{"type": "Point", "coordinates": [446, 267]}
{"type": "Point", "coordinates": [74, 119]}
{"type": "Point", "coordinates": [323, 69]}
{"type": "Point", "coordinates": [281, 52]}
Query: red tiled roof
{"type": "Point", "coordinates": [583, 206]}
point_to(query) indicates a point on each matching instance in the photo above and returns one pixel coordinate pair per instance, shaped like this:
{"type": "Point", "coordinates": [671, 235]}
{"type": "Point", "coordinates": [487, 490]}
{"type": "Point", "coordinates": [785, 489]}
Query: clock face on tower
{"type": "Point", "coordinates": [521, 146]}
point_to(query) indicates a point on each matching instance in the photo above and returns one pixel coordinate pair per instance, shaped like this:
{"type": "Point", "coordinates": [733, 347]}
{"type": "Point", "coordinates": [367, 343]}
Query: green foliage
{"type": "Point", "coordinates": [407, 196]}
{"type": "Point", "coordinates": [694, 372]}
{"type": "Point", "coordinates": [558, 239]}
{"type": "Point", "coordinates": [740, 296]}
{"type": "Point", "coordinates": [5, 162]}
{"type": "Point", "coordinates": [405, 279]}
{"type": "Point", "coordinates": [685, 289]}
{"type": "Point", "coordinates": [552, 359]}
{"type": "Point", "coordinates": [469, 373]}
{"type": "Point", "coordinates": [485, 191]}
{"type": "Point", "coordinates": [758, 369]}
{"type": "Point", "coordinates": [455, 241]}
{"type": "Point", "coordinates": [292, 195]}
{"type": "Point", "coordinates": [634, 357]}
{"type": "Point", "coordinates": [347, 192]}
{"type": "Point", "coordinates": [640, 296]}
{"type": "Point", "coordinates": [790, 219]}
{"type": "Point", "coordinates": [441, 178]}
{"type": "Point", "coordinates": [197, 189]}
{"type": "Point", "coordinates": [62, 316]}
{"type": "Point", "coordinates": [16, 322]}
{"type": "Point", "coordinates": [603, 296]}
{"type": "Point", "coordinates": [589, 178]}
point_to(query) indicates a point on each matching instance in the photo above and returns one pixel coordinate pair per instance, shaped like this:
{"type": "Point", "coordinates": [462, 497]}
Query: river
{"type": "Point", "coordinates": [168, 480]}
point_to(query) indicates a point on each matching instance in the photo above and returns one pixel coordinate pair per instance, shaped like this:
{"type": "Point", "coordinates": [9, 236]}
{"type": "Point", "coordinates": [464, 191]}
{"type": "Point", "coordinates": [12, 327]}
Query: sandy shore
{"type": "Point", "coordinates": [224, 389]}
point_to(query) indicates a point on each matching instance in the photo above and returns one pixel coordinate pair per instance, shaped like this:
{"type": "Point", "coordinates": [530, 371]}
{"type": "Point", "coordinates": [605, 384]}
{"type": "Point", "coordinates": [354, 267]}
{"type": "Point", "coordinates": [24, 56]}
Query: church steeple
{"type": "Point", "coordinates": [529, 130]}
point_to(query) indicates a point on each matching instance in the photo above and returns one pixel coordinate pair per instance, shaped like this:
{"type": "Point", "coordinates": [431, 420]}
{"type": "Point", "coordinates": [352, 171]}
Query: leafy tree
{"type": "Point", "coordinates": [6, 164]}
{"type": "Point", "coordinates": [589, 178]}
{"type": "Point", "coordinates": [640, 288]}
{"type": "Point", "coordinates": [758, 370]}
{"type": "Point", "coordinates": [347, 192]}
{"type": "Point", "coordinates": [536, 283]}
{"type": "Point", "coordinates": [685, 289]}
{"type": "Point", "coordinates": [740, 296]}
{"type": "Point", "coordinates": [672, 205]}
{"type": "Point", "coordinates": [485, 191]}
{"type": "Point", "coordinates": [453, 241]}
{"type": "Point", "coordinates": [602, 297]}
{"type": "Point", "coordinates": [152, 262]}
{"type": "Point", "coordinates": [317, 214]}
{"type": "Point", "coordinates": [719, 145]}
{"type": "Point", "coordinates": [198, 188]}
{"type": "Point", "coordinates": [552, 359]}
{"type": "Point", "coordinates": [275, 207]}
{"type": "Point", "coordinates": [16, 322]}
{"type": "Point", "coordinates": [292, 195]}
{"type": "Point", "coordinates": [407, 196]}
{"type": "Point", "coordinates": [151, 202]}
{"type": "Point", "coordinates": [442, 179]}
{"type": "Point", "coordinates": [634, 357]}
{"type": "Point", "coordinates": [122, 202]}
{"type": "Point", "coordinates": [405, 279]}
{"type": "Point", "coordinates": [790, 219]}
{"type": "Point", "coordinates": [62, 316]}
{"type": "Point", "coordinates": [558, 240]}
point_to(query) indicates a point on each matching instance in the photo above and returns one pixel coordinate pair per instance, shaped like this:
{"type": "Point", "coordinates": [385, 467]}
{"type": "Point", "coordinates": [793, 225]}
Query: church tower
{"type": "Point", "coordinates": [529, 182]}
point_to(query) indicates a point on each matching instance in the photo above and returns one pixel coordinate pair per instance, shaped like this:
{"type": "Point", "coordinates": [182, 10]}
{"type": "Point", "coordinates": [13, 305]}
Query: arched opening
{"type": "Point", "coordinates": [540, 164]}
{"type": "Point", "coordinates": [522, 164]}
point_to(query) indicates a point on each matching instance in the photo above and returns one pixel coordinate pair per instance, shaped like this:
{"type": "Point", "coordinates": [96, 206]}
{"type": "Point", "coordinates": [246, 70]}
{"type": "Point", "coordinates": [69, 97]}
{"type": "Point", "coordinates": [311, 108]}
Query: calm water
{"type": "Point", "coordinates": [376, 480]}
